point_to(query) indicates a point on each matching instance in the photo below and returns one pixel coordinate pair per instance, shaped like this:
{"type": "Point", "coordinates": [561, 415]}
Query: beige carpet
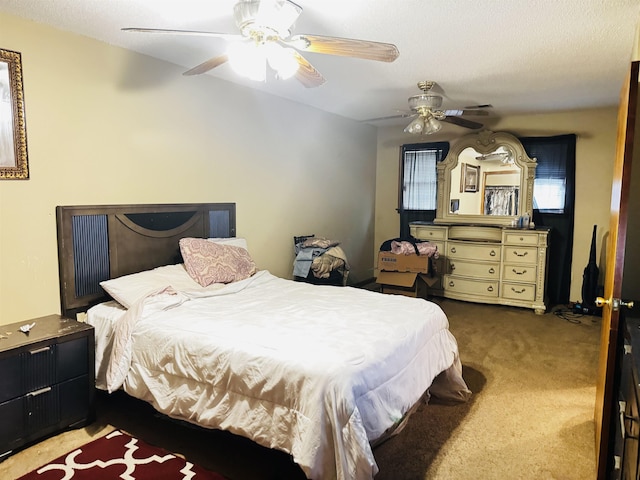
{"type": "Point", "coordinates": [530, 416]}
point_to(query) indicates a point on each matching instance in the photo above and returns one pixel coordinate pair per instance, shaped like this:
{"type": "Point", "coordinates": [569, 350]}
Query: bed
{"type": "Point", "coordinates": [320, 372]}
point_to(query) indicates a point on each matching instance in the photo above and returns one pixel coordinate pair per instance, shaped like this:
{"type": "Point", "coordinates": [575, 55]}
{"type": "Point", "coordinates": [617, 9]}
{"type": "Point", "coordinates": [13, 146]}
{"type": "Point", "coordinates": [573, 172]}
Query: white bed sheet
{"type": "Point", "coordinates": [316, 371]}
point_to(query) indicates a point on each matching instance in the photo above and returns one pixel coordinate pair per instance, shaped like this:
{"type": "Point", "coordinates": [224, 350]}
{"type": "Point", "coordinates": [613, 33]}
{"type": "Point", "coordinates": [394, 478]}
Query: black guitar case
{"type": "Point", "coordinates": [590, 276]}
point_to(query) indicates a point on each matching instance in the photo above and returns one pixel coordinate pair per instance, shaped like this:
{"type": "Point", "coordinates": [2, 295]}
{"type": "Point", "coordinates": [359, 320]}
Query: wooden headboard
{"type": "Point", "coordinates": [97, 243]}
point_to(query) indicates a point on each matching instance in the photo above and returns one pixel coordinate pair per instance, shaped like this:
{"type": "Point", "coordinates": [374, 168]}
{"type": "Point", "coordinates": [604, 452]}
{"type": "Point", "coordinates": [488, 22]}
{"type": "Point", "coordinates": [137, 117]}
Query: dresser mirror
{"type": "Point", "coordinates": [486, 179]}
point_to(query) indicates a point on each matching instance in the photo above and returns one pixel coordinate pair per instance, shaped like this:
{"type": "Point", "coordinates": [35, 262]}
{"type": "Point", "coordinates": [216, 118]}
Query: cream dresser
{"type": "Point", "coordinates": [489, 264]}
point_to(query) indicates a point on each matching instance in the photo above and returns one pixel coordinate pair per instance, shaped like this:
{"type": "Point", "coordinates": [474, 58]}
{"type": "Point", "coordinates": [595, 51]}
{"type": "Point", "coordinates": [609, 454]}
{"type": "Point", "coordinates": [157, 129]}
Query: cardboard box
{"type": "Point", "coordinates": [404, 283]}
{"type": "Point", "coordinates": [391, 262]}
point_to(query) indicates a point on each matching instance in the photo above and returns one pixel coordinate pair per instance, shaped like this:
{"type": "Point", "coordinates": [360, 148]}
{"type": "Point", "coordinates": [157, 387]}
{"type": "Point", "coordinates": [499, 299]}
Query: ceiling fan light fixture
{"type": "Point", "coordinates": [425, 100]}
{"type": "Point", "coordinates": [423, 124]}
{"type": "Point", "coordinates": [416, 127]}
{"type": "Point", "coordinates": [248, 60]}
{"type": "Point", "coordinates": [282, 60]}
{"type": "Point", "coordinates": [268, 16]}
{"type": "Point", "coordinates": [431, 126]}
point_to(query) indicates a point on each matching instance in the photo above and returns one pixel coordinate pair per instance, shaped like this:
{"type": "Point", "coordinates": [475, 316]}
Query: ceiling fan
{"type": "Point", "coordinates": [265, 39]}
{"type": "Point", "coordinates": [426, 108]}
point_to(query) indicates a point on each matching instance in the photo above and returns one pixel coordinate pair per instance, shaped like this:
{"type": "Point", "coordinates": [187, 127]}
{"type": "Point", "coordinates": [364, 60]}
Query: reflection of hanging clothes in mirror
{"type": "Point", "coordinates": [500, 200]}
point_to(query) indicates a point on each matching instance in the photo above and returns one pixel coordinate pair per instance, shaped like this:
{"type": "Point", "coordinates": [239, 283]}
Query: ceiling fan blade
{"type": "Point", "coordinates": [208, 65]}
{"type": "Point", "coordinates": [482, 105]}
{"type": "Point", "coordinates": [390, 117]}
{"type": "Point", "coordinates": [466, 112]}
{"type": "Point", "coordinates": [463, 122]}
{"type": "Point", "coordinates": [227, 36]}
{"type": "Point", "coordinates": [307, 74]}
{"type": "Point", "coordinates": [347, 47]}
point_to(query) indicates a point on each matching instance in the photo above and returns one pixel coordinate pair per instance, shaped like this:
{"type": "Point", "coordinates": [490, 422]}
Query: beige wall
{"type": "Point", "coordinates": [106, 126]}
{"type": "Point", "coordinates": [595, 153]}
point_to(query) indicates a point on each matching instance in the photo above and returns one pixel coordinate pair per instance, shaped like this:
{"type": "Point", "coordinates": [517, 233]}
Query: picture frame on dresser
{"type": "Point", "coordinates": [14, 163]}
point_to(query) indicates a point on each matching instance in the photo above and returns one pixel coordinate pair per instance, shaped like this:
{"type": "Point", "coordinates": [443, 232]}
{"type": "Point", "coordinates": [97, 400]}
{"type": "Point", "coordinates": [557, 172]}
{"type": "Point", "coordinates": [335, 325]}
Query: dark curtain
{"type": "Point", "coordinates": [407, 216]}
{"type": "Point", "coordinates": [556, 158]}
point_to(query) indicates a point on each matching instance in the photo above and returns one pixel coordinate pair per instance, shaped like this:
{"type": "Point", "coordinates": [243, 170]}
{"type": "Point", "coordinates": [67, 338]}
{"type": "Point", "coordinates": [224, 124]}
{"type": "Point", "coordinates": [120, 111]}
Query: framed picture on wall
{"type": "Point", "coordinates": [13, 133]}
{"type": "Point", "coordinates": [469, 178]}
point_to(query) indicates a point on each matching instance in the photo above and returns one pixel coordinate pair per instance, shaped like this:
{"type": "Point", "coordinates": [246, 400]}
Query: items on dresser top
{"type": "Point", "coordinates": [489, 264]}
{"type": "Point", "coordinates": [46, 379]}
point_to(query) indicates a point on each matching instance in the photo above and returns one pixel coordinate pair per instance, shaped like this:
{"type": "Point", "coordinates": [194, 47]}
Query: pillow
{"type": "Point", "coordinates": [128, 289]}
{"type": "Point", "coordinates": [235, 241]}
{"type": "Point", "coordinates": [209, 262]}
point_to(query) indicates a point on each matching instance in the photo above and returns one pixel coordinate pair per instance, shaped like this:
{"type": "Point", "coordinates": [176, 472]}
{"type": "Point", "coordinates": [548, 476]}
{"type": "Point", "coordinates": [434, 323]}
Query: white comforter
{"type": "Point", "coordinates": [318, 372]}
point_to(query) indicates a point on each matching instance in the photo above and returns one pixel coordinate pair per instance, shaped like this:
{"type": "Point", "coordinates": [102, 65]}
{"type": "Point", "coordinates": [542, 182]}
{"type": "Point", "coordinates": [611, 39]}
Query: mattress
{"type": "Point", "coordinates": [319, 372]}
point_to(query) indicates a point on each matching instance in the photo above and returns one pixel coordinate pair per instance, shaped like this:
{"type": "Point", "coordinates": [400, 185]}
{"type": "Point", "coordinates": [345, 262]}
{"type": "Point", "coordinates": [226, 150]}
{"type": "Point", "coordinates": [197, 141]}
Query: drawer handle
{"type": "Point", "coordinates": [492, 271]}
{"type": "Point", "coordinates": [518, 291]}
{"type": "Point", "coordinates": [453, 249]}
{"type": "Point", "coordinates": [627, 434]}
{"type": "Point", "coordinates": [40, 350]}
{"type": "Point", "coordinates": [451, 284]}
{"type": "Point", "coordinates": [39, 392]}
{"type": "Point", "coordinates": [453, 267]}
{"type": "Point", "coordinates": [489, 288]}
{"type": "Point", "coordinates": [518, 273]}
{"type": "Point", "coordinates": [492, 253]}
{"type": "Point", "coordinates": [520, 254]}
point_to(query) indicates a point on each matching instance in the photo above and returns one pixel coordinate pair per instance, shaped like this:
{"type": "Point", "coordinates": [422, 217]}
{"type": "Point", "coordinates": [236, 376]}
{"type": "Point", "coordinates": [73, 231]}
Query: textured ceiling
{"type": "Point", "coordinates": [520, 56]}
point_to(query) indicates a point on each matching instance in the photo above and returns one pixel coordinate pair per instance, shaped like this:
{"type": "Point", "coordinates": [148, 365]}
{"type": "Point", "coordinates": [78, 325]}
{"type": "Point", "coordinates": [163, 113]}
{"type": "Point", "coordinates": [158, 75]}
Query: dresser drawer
{"type": "Point", "coordinates": [428, 232]}
{"type": "Point", "coordinates": [521, 238]}
{"type": "Point", "coordinates": [518, 291]}
{"type": "Point", "coordinates": [473, 251]}
{"type": "Point", "coordinates": [485, 288]}
{"type": "Point", "coordinates": [521, 255]}
{"type": "Point", "coordinates": [519, 273]}
{"type": "Point", "coordinates": [489, 271]}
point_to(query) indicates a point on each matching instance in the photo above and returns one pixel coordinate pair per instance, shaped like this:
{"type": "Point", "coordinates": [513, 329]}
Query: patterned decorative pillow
{"type": "Point", "coordinates": [209, 262]}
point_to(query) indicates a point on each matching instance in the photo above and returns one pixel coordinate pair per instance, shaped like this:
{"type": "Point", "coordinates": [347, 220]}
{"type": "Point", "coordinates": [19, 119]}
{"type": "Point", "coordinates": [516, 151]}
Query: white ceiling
{"type": "Point", "coordinates": [521, 56]}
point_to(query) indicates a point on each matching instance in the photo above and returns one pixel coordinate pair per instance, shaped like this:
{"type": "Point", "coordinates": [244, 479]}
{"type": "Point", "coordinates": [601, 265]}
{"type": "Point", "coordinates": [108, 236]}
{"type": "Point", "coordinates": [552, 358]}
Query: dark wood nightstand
{"type": "Point", "coordinates": [47, 379]}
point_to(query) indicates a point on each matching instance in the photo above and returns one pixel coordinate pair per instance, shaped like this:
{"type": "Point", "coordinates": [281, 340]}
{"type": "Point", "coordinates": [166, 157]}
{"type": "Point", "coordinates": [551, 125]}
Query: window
{"type": "Point", "coordinates": [419, 178]}
{"type": "Point", "coordinates": [553, 186]}
{"type": "Point", "coordinates": [417, 200]}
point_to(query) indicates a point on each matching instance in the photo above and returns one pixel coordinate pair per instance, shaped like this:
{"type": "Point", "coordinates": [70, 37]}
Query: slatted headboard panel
{"type": "Point", "coordinates": [96, 243]}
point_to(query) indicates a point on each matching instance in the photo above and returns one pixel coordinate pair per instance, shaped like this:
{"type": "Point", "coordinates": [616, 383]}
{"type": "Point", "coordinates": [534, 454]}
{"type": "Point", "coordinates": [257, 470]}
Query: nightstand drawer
{"type": "Point", "coordinates": [42, 365]}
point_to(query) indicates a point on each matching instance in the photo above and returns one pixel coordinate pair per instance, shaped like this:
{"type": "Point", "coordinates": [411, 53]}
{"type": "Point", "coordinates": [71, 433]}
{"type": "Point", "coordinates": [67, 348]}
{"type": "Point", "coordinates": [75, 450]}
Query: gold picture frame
{"type": "Point", "coordinates": [14, 164]}
{"type": "Point", "coordinates": [469, 178]}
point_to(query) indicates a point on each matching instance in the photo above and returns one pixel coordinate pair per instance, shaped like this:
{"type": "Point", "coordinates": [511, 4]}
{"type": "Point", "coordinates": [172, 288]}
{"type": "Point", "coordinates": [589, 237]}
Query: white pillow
{"type": "Point", "coordinates": [235, 241]}
{"type": "Point", "coordinates": [128, 289]}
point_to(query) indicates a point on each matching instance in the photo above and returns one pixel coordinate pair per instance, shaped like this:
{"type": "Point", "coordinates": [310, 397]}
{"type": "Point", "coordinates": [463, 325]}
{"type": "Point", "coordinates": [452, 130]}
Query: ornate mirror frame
{"type": "Point", "coordinates": [14, 164]}
{"type": "Point", "coordinates": [484, 143]}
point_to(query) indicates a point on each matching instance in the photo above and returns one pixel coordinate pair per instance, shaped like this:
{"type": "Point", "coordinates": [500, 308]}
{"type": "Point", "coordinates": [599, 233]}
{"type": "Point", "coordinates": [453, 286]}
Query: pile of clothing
{"type": "Point", "coordinates": [320, 257]}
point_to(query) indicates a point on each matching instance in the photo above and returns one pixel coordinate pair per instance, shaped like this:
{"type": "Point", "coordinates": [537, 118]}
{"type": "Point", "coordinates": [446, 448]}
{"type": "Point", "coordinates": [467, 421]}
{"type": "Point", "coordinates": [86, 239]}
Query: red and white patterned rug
{"type": "Point", "coordinates": [120, 456]}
